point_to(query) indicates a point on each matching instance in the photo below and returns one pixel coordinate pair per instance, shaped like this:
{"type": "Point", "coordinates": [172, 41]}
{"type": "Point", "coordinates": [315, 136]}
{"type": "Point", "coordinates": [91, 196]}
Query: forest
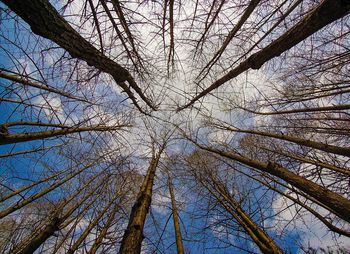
{"type": "Point", "coordinates": [175, 126]}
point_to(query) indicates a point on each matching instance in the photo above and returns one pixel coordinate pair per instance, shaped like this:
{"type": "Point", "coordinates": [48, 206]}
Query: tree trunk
{"type": "Point", "coordinates": [325, 13]}
{"type": "Point", "coordinates": [133, 235]}
{"type": "Point", "coordinates": [23, 137]}
{"type": "Point", "coordinates": [36, 240]}
{"type": "Point", "coordinates": [219, 191]}
{"type": "Point", "coordinates": [335, 202]}
{"type": "Point", "coordinates": [300, 141]}
{"type": "Point", "coordinates": [248, 11]}
{"type": "Point", "coordinates": [48, 23]}
{"type": "Point", "coordinates": [265, 243]}
{"type": "Point", "coordinates": [47, 232]}
{"type": "Point", "coordinates": [179, 243]}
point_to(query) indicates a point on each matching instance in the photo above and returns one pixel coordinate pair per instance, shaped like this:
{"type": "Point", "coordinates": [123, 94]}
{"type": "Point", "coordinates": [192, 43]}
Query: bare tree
{"type": "Point", "coordinates": [133, 235]}
{"type": "Point", "coordinates": [174, 126]}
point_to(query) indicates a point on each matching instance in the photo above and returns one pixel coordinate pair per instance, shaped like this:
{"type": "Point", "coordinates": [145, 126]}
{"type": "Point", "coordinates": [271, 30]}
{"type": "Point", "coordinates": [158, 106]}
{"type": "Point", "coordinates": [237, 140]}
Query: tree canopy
{"type": "Point", "coordinates": [187, 126]}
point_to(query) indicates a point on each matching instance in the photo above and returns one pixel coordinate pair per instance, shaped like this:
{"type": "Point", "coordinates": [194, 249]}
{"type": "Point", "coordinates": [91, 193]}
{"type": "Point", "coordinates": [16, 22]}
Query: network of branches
{"type": "Point", "coordinates": [175, 126]}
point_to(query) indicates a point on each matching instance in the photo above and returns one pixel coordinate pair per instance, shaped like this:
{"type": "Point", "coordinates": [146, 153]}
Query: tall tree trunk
{"type": "Point", "coordinates": [335, 202]}
{"type": "Point", "coordinates": [23, 137]}
{"type": "Point", "coordinates": [45, 234]}
{"type": "Point", "coordinates": [296, 140]}
{"type": "Point", "coordinates": [218, 190]}
{"type": "Point", "coordinates": [325, 13]}
{"type": "Point", "coordinates": [179, 243]}
{"type": "Point", "coordinates": [133, 235]}
{"type": "Point", "coordinates": [48, 23]}
{"type": "Point", "coordinates": [265, 243]}
{"type": "Point", "coordinates": [248, 11]}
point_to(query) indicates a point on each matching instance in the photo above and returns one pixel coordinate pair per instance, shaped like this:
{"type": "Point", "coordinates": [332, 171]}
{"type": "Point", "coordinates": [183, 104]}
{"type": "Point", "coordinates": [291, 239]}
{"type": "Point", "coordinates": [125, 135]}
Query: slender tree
{"type": "Point", "coordinates": [178, 236]}
{"type": "Point", "coordinates": [133, 236]}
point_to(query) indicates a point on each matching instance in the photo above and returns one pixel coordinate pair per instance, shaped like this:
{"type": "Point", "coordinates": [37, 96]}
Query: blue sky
{"type": "Point", "coordinates": [20, 170]}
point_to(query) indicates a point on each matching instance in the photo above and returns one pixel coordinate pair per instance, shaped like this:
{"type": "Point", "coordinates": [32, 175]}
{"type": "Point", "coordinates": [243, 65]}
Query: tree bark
{"type": "Point", "coordinates": [133, 235]}
{"type": "Point", "coordinates": [45, 21]}
{"type": "Point", "coordinates": [308, 143]}
{"type": "Point", "coordinates": [265, 243]}
{"type": "Point", "coordinates": [55, 222]}
{"type": "Point", "coordinates": [334, 201]}
{"type": "Point", "coordinates": [178, 236]}
{"type": "Point", "coordinates": [23, 137]}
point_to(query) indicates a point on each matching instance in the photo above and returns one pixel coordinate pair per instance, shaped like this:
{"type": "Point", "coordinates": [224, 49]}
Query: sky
{"type": "Point", "coordinates": [169, 92]}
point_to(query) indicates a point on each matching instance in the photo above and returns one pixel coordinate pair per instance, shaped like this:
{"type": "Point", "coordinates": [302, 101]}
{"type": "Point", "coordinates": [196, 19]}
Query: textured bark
{"type": "Point", "coordinates": [265, 243]}
{"type": "Point", "coordinates": [23, 137]}
{"type": "Point", "coordinates": [332, 200]}
{"type": "Point", "coordinates": [179, 243]}
{"type": "Point", "coordinates": [308, 143]}
{"type": "Point", "coordinates": [324, 14]}
{"type": "Point", "coordinates": [298, 201]}
{"type": "Point", "coordinates": [133, 235]}
{"type": "Point", "coordinates": [47, 232]}
{"type": "Point", "coordinates": [45, 21]}
{"type": "Point", "coordinates": [172, 41]}
{"type": "Point", "coordinates": [165, 6]}
{"type": "Point", "coordinates": [280, 20]}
